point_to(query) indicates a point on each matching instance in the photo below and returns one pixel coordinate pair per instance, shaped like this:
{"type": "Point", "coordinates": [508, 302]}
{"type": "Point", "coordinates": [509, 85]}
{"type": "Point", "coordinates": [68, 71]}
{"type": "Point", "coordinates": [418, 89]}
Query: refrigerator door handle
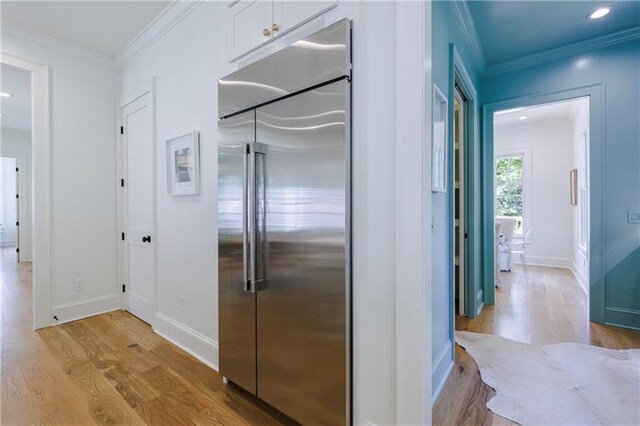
{"type": "Point", "coordinates": [246, 245]}
{"type": "Point", "coordinates": [257, 227]}
{"type": "Point", "coordinates": [252, 216]}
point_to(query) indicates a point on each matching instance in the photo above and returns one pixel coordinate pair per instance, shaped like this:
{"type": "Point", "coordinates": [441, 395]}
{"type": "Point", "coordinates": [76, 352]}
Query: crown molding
{"type": "Point", "coordinates": [44, 40]}
{"type": "Point", "coordinates": [565, 51]}
{"type": "Point", "coordinates": [468, 28]}
{"type": "Point", "coordinates": [167, 19]}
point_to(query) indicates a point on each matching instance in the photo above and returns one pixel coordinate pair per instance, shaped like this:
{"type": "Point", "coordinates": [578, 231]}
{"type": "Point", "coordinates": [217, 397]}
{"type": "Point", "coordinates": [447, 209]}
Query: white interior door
{"type": "Point", "coordinates": [139, 189]}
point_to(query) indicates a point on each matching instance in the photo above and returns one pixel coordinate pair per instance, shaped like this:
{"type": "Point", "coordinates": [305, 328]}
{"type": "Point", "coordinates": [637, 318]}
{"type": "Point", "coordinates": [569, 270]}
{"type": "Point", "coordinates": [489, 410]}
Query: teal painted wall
{"type": "Point", "coordinates": [618, 69]}
{"type": "Point", "coordinates": [445, 30]}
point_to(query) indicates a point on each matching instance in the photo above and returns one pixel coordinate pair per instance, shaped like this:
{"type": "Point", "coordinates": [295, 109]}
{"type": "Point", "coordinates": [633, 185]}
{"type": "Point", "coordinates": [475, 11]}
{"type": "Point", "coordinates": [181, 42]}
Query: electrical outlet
{"type": "Point", "coordinates": [634, 217]}
{"type": "Point", "coordinates": [78, 284]}
{"type": "Point", "coordinates": [181, 303]}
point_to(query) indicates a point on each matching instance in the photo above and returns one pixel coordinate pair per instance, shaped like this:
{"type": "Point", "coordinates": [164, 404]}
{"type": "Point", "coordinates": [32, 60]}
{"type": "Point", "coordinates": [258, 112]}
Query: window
{"type": "Point", "coordinates": [510, 199]}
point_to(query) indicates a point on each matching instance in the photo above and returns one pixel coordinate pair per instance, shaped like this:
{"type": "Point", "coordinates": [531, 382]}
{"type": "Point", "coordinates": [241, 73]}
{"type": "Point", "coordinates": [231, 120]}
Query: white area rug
{"type": "Point", "coordinates": [561, 384]}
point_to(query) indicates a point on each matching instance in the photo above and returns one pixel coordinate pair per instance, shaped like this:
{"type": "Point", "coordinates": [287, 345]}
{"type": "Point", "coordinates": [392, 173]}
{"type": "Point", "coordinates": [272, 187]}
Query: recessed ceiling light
{"type": "Point", "coordinates": [599, 13]}
{"type": "Point", "coordinates": [5, 95]}
{"type": "Point", "coordinates": [524, 117]}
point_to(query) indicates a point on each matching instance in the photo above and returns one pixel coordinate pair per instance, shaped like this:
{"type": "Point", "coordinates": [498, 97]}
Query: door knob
{"type": "Point", "coordinates": [275, 27]}
{"type": "Point", "coordinates": [146, 239]}
{"type": "Point", "coordinates": [266, 32]}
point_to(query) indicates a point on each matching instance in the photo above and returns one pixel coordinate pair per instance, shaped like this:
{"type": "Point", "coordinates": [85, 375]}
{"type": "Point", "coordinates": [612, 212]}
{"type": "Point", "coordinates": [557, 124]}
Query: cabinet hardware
{"type": "Point", "coordinates": [275, 27]}
{"type": "Point", "coordinates": [266, 32]}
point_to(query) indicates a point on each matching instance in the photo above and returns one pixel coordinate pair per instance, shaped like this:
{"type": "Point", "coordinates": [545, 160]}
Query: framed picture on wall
{"type": "Point", "coordinates": [439, 142]}
{"type": "Point", "coordinates": [573, 179]}
{"type": "Point", "coordinates": [183, 164]}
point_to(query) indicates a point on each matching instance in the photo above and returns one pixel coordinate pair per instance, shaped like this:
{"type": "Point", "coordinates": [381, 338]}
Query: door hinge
{"type": "Point", "coordinates": [17, 250]}
{"type": "Point", "coordinates": [17, 195]}
{"type": "Point", "coordinates": [466, 235]}
{"type": "Point", "coordinates": [122, 183]}
{"type": "Point", "coordinates": [122, 130]}
{"type": "Point", "coordinates": [123, 288]}
{"type": "Point", "coordinates": [123, 236]}
{"type": "Point", "coordinates": [17, 169]}
{"type": "Point", "coordinates": [17, 223]}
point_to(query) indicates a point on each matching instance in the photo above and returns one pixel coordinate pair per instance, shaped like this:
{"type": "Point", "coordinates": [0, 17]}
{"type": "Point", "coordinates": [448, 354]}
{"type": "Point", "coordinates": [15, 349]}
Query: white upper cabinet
{"type": "Point", "coordinates": [289, 14]}
{"type": "Point", "coordinates": [252, 23]}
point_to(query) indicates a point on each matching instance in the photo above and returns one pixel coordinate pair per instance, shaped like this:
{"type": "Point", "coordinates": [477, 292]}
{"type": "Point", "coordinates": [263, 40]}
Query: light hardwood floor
{"type": "Point", "coordinates": [537, 305]}
{"type": "Point", "coordinates": [107, 369]}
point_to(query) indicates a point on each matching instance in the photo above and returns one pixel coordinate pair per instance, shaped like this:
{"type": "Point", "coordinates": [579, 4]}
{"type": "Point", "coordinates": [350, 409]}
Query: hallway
{"type": "Point", "coordinates": [536, 304]}
{"type": "Point", "coordinates": [106, 369]}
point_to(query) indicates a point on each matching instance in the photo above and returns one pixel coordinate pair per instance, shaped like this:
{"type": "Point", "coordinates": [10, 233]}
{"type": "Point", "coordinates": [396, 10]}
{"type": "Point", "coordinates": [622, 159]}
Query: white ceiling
{"type": "Point", "coordinates": [565, 110]}
{"type": "Point", "coordinates": [105, 27]}
{"type": "Point", "coordinates": [16, 110]}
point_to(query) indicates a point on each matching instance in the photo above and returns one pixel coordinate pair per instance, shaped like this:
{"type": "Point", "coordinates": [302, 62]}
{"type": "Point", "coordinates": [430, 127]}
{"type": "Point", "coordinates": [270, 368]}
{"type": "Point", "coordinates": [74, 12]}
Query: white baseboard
{"type": "Point", "coordinates": [6, 243]}
{"type": "Point", "coordinates": [187, 339]}
{"type": "Point", "coordinates": [85, 308]}
{"type": "Point", "coordinates": [553, 262]}
{"type": "Point", "coordinates": [442, 366]}
{"type": "Point", "coordinates": [582, 280]}
{"type": "Point", "coordinates": [25, 257]}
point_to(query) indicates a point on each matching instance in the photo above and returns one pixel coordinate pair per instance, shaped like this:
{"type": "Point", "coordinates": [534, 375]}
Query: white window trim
{"type": "Point", "coordinates": [527, 187]}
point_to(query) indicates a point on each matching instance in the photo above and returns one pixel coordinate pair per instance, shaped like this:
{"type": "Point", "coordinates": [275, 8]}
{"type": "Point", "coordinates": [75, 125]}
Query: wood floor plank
{"type": "Point", "coordinates": [139, 331]}
{"type": "Point", "coordinates": [209, 381]}
{"type": "Point", "coordinates": [92, 371]}
{"type": "Point", "coordinates": [163, 411]}
{"type": "Point", "coordinates": [98, 394]}
{"type": "Point", "coordinates": [126, 380]}
{"type": "Point", "coordinates": [126, 347]}
{"type": "Point", "coordinates": [35, 392]}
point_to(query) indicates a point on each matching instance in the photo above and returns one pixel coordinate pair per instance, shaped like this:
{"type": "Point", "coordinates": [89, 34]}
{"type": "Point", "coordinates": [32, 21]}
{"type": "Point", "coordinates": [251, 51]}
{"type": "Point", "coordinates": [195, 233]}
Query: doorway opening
{"type": "Point", "coordinates": [8, 204]}
{"type": "Point", "coordinates": [541, 202]}
{"type": "Point", "coordinates": [15, 190]}
{"type": "Point", "coordinates": [460, 229]}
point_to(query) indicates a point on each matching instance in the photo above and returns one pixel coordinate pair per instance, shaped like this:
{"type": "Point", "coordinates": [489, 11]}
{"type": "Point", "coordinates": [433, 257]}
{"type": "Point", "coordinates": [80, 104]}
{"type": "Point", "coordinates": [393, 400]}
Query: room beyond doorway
{"type": "Point", "coordinates": [541, 186]}
{"type": "Point", "coordinates": [15, 150]}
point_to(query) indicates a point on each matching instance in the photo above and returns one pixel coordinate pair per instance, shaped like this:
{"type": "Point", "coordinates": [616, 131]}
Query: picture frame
{"type": "Point", "coordinates": [439, 143]}
{"type": "Point", "coordinates": [183, 164]}
{"type": "Point", "coordinates": [573, 179]}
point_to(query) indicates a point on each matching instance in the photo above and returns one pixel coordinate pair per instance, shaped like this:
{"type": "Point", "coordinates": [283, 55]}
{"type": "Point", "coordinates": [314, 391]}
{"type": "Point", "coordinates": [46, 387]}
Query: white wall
{"type": "Point", "coordinates": [8, 228]}
{"type": "Point", "coordinates": [551, 145]}
{"type": "Point", "coordinates": [391, 385]}
{"type": "Point", "coordinates": [83, 180]}
{"type": "Point", "coordinates": [17, 144]}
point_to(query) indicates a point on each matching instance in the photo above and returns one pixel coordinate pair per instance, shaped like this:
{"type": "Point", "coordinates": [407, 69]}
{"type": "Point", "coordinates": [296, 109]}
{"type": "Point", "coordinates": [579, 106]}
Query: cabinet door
{"type": "Point", "coordinates": [290, 14]}
{"type": "Point", "coordinates": [248, 19]}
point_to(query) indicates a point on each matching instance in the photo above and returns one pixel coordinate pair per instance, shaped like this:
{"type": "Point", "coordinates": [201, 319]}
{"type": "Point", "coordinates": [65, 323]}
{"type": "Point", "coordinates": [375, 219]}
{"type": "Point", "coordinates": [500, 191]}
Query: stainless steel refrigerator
{"type": "Point", "coordinates": [284, 215]}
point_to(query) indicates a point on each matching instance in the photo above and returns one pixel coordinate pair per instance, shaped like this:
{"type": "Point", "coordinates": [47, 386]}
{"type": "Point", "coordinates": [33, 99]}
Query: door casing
{"type": "Point", "coordinates": [596, 95]}
{"type": "Point", "coordinates": [459, 79]}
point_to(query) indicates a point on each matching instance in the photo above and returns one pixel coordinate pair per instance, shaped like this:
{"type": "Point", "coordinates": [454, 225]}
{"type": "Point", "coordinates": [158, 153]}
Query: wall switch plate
{"type": "Point", "coordinates": [634, 216]}
{"type": "Point", "coordinates": [78, 285]}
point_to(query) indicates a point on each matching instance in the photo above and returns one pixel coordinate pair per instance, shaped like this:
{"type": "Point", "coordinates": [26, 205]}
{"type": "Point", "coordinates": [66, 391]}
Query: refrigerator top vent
{"type": "Point", "coordinates": [319, 58]}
